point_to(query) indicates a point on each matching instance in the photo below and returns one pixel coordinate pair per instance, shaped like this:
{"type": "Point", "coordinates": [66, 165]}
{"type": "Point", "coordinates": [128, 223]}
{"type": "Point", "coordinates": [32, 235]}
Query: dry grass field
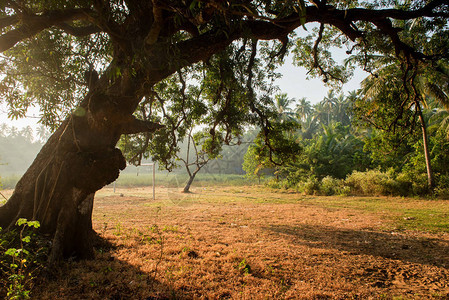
{"type": "Point", "coordinates": [256, 243]}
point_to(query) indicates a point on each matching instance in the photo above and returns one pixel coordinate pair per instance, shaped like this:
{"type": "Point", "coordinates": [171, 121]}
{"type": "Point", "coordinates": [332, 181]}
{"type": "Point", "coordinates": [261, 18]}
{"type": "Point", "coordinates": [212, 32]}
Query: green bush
{"type": "Point", "coordinates": [442, 189]}
{"type": "Point", "coordinates": [310, 187]}
{"type": "Point", "coordinates": [273, 183]}
{"type": "Point", "coordinates": [412, 183]}
{"type": "Point", "coordinates": [372, 182]}
{"type": "Point", "coordinates": [330, 186]}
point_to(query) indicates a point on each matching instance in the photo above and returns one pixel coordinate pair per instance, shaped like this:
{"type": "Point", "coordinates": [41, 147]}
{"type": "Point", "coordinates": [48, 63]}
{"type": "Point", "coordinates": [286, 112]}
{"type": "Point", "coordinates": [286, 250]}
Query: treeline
{"type": "Point", "coordinates": [343, 152]}
{"type": "Point", "coordinates": [18, 148]}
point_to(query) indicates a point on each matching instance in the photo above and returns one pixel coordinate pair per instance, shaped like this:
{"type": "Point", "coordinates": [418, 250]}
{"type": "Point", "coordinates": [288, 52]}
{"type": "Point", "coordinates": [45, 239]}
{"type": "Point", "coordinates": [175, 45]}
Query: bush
{"type": "Point", "coordinates": [372, 182]}
{"type": "Point", "coordinates": [310, 187]}
{"type": "Point", "coordinates": [274, 183]}
{"type": "Point", "coordinates": [330, 186]}
{"type": "Point", "coordinates": [412, 183]}
{"type": "Point", "coordinates": [442, 189]}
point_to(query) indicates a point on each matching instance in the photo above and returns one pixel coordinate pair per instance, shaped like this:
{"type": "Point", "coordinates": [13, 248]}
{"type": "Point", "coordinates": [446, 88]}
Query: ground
{"type": "Point", "coordinates": [256, 243]}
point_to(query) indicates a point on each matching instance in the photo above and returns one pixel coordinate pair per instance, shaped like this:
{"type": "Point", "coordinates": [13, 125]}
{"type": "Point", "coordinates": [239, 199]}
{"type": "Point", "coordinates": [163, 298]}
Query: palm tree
{"type": "Point", "coordinates": [282, 104]}
{"type": "Point", "coordinates": [435, 88]}
{"type": "Point", "coordinates": [328, 103]}
{"type": "Point", "coordinates": [309, 127]}
{"type": "Point", "coordinates": [303, 109]}
{"type": "Point", "coordinates": [320, 113]}
{"type": "Point", "coordinates": [342, 106]}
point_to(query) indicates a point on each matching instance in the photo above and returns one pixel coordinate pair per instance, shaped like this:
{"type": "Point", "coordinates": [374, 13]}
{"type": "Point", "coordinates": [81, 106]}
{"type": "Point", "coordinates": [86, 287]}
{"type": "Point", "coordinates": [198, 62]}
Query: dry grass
{"type": "Point", "coordinates": [254, 243]}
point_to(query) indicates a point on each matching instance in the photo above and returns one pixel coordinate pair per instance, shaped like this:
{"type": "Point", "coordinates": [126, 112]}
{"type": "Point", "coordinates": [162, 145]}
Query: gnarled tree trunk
{"type": "Point", "coordinates": [79, 159]}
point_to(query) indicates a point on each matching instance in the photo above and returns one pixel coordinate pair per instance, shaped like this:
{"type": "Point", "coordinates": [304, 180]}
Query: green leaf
{"type": "Point", "coordinates": [302, 13]}
{"type": "Point", "coordinates": [26, 239]}
{"type": "Point", "coordinates": [34, 224]}
{"type": "Point", "coordinates": [193, 4]}
{"type": "Point", "coordinates": [12, 252]}
{"type": "Point", "coordinates": [21, 221]}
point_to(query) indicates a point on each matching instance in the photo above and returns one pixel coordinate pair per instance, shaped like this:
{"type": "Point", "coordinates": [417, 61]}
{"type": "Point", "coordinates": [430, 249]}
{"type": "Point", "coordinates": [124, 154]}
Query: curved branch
{"type": "Point", "coordinates": [33, 24]}
{"type": "Point", "coordinates": [8, 21]}
{"type": "Point", "coordinates": [79, 31]}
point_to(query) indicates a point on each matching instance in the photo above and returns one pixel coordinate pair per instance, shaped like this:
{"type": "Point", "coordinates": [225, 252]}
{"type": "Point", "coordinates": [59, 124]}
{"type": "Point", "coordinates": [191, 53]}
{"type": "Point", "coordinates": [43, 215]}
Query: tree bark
{"type": "Point", "coordinates": [78, 159]}
{"type": "Point", "coordinates": [430, 179]}
{"type": "Point", "coordinates": [59, 187]}
{"type": "Point", "coordinates": [189, 183]}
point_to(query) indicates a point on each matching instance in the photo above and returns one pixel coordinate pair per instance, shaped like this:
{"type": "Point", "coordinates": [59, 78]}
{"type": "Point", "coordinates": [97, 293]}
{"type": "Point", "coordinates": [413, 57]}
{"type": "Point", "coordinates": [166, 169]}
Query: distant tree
{"type": "Point", "coordinates": [336, 152]}
{"type": "Point", "coordinates": [328, 104]}
{"type": "Point", "coordinates": [196, 158]}
{"type": "Point", "coordinates": [283, 106]}
{"type": "Point", "coordinates": [18, 148]}
{"type": "Point", "coordinates": [303, 109]}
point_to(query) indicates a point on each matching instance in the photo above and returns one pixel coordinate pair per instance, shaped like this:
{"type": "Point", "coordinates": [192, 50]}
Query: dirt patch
{"type": "Point", "coordinates": [249, 243]}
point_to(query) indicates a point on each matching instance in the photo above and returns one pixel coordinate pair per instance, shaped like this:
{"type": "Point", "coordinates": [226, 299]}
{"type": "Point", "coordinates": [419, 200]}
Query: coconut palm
{"type": "Point", "coordinates": [303, 109]}
{"type": "Point", "coordinates": [282, 104]}
{"type": "Point", "coordinates": [328, 103]}
{"type": "Point", "coordinates": [342, 107]}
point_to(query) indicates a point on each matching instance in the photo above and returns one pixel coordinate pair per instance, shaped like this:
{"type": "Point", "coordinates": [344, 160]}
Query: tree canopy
{"type": "Point", "coordinates": [54, 50]}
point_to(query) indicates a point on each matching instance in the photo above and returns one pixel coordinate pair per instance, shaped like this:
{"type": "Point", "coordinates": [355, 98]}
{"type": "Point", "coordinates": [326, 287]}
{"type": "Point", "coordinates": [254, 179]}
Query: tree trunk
{"type": "Point", "coordinates": [430, 180]}
{"type": "Point", "coordinates": [79, 158]}
{"type": "Point", "coordinates": [189, 182]}
{"type": "Point", "coordinates": [59, 187]}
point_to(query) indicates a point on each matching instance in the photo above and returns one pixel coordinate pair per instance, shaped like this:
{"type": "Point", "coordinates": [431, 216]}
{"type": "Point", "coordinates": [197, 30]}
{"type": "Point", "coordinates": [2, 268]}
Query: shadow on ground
{"type": "Point", "coordinates": [105, 277]}
{"type": "Point", "coordinates": [390, 245]}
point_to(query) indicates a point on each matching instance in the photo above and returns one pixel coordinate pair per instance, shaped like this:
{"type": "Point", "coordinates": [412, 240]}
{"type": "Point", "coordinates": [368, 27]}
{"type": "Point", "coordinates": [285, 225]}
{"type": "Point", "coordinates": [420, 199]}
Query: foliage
{"type": "Point", "coordinates": [22, 256]}
{"type": "Point", "coordinates": [206, 111]}
{"type": "Point", "coordinates": [251, 166]}
{"type": "Point", "coordinates": [372, 182]}
{"type": "Point", "coordinates": [329, 147]}
{"type": "Point", "coordinates": [272, 152]}
{"type": "Point", "coordinates": [386, 162]}
{"type": "Point", "coordinates": [336, 152]}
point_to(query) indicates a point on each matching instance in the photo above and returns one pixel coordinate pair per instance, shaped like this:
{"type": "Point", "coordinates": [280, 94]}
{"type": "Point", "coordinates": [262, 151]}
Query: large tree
{"type": "Point", "coordinates": [91, 63]}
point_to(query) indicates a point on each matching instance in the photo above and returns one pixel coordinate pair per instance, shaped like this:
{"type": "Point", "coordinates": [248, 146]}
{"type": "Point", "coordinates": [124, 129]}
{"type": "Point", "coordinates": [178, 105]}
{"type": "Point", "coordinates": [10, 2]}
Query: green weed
{"type": "Point", "coordinates": [21, 258]}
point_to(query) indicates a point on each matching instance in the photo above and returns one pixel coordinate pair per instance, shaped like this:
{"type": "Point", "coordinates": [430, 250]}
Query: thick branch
{"type": "Point", "coordinates": [156, 26]}
{"type": "Point", "coordinates": [8, 21]}
{"type": "Point", "coordinates": [79, 31]}
{"type": "Point", "coordinates": [36, 23]}
{"type": "Point", "coordinates": [203, 46]}
{"type": "Point", "coordinates": [361, 14]}
{"type": "Point", "coordinates": [138, 126]}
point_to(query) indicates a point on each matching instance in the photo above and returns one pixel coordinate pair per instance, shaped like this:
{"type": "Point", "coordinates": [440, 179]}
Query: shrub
{"type": "Point", "coordinates": [412, 183]}
{"type": "Point", "coordinates": [442, 189]}
{"type": "Point", "coordinates": [274, 183]}
{"type": "Point", "coordinates": [372, 182]}
{"type": "Point", "coordinates": [310, 187]}
{"type": "Point", "coordinates": [331, 186]}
